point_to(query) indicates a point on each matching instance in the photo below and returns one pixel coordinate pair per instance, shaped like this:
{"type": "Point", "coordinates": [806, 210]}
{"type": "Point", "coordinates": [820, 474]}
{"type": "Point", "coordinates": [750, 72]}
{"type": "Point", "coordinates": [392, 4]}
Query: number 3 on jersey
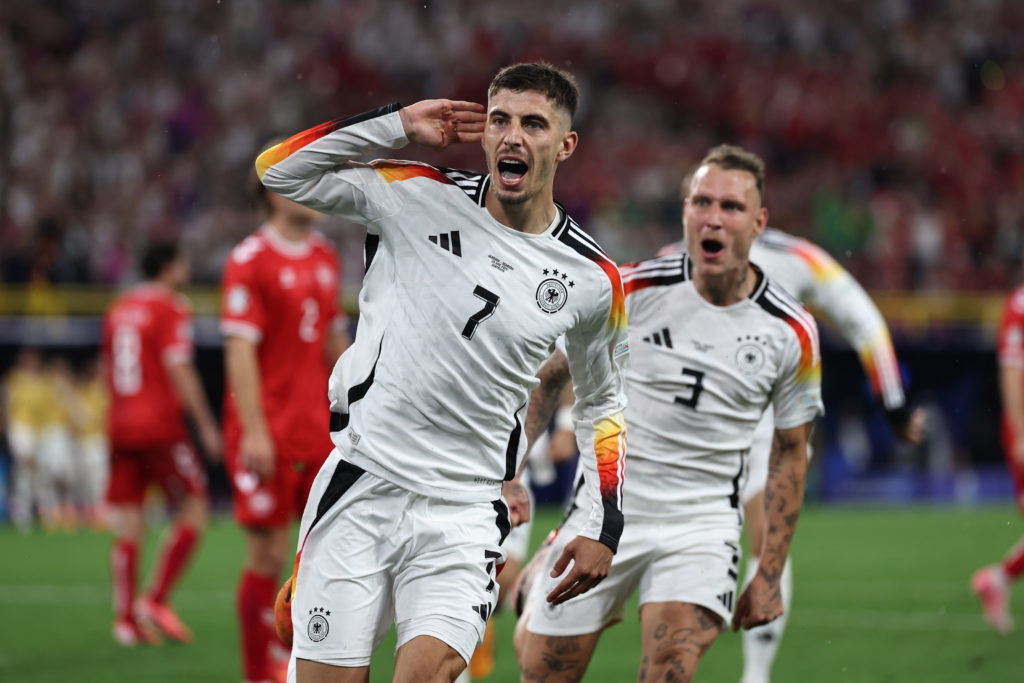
{"type": "Point", "coordinates": [698, 386]}
{"type": "Point", "coordinates": [490, 303]}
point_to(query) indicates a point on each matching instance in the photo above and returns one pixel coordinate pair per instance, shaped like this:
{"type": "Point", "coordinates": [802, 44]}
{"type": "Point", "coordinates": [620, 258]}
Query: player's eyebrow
{"type": "Point", "coordinates": [536, 118]}
{"type": "Point", "coordinates": [526, 118]}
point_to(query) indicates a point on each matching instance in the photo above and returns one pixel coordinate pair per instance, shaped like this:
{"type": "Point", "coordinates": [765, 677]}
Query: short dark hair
{"type": "Point", "coordinates": [559, 86]}
{"type": "Point", "coordinates": [157, 255]}
{"type": "Point", "coordinates": [733, 158]}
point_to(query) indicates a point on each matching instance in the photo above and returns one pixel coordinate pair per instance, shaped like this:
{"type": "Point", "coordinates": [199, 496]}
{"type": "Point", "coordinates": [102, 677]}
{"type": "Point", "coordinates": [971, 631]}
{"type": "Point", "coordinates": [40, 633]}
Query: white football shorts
{"type": "Point", "coordinates": [378, 554]}
{"type": "Point", "coordinates": [696, 562]}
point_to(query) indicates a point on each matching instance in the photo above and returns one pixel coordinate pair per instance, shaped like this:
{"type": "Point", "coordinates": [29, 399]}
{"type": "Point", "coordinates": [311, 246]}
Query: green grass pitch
{"type": "Point", "coordinates": [881, 596]}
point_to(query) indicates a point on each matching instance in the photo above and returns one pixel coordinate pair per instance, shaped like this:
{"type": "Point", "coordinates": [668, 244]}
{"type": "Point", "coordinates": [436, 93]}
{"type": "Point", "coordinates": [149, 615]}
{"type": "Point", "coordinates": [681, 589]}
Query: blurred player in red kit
{"type": "Point", "coordinates": [283, 333]}
{"type": "Point", "coordinates": [147, 352]}
{"type": "Point", "coordinates": [992, 583]}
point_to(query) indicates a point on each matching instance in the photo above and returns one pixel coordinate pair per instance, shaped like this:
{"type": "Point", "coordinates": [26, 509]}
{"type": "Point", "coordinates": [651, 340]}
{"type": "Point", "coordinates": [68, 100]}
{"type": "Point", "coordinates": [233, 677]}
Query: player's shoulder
{"type": "Point", "coordinates": [170, 300]}
{"type": "Point", "coordinates": [778, 242]}
{"type": "Point", "coordinates": [660, 271]}
{"type": "Point", "coordinates": [321, 245]}
{"type": "Point", "coordinates": [573, 241]}
{"type": "Point", "coordinates": [248, 249]}
{"type": "Point", "coordinates": [778, 303]}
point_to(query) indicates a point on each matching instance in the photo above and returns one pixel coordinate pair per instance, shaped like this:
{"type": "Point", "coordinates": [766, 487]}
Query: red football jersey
{"type": "Point", "coordinates": [145, 330]}
{"type": "Point", "coordinates": [1010, 345]}
{"type": "Point", "coordinates": [283, 296]}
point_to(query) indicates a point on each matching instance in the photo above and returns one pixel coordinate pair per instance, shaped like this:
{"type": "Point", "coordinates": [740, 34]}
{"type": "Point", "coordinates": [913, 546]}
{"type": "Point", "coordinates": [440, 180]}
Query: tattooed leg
{"type": "Point", "coordinates": [556, 659]}
{"type": "Point", "coordinates": [675, 636]}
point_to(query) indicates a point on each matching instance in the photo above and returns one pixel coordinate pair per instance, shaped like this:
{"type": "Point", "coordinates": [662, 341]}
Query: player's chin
{"type": "Point", "coordinates": [510, 196]}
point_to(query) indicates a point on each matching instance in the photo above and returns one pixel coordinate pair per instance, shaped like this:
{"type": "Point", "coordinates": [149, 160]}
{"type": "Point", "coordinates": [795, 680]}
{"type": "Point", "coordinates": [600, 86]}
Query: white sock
{"type": "Point", "coordinates": [760, 644]}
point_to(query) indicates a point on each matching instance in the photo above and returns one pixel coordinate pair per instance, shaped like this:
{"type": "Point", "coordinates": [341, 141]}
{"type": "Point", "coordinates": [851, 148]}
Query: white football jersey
{"type": "Point", "coordinates": [809, 273]}
{"type": "Point", "coordinates": [457, 313]}
{"type": "Point", "coordinates": [700, 377]}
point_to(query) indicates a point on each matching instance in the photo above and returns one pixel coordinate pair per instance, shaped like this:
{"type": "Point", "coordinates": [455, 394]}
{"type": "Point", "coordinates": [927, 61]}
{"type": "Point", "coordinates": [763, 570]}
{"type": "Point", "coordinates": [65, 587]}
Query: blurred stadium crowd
{"type": "Point", "coordinates": [893, 130]}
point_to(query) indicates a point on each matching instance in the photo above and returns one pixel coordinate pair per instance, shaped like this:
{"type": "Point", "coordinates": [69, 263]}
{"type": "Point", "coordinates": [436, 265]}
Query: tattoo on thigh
{"type": "Point", "coordinates": [660, 631]}
{"type": "Point", "coordinates": [563, 645]}
{"type": "Point", "coordinates": [707, 619]}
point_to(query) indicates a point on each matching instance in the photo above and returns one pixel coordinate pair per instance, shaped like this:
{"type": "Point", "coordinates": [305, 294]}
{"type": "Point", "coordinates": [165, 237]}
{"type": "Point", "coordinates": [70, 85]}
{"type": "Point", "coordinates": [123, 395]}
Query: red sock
{"type": "Point", "coordinates": [123, 561]}
{"type": "Point", "coordinates": [255, 603]}
{"type": "Point", "coordinates": [174, 558]}
{"type": "Point", "coordinates": [1013, 564]}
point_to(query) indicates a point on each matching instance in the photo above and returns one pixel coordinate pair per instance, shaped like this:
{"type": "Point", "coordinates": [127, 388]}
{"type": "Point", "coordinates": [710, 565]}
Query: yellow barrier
{"type": "Point", "coordinates": [42, 300]}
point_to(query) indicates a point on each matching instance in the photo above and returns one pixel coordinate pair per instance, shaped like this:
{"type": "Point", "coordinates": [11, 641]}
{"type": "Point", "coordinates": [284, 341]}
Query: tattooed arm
{"type": "Point", "coordinates": [554, 375]}
{"type": "Point", "coordinates": [546, 398]}
{"type": "Point", "coordinates": [761, 602]}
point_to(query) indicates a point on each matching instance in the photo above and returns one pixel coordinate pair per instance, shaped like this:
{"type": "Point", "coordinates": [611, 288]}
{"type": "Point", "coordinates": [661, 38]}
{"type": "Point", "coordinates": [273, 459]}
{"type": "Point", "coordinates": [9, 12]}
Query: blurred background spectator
{"type": "Point", "coordinates": [895, 130]}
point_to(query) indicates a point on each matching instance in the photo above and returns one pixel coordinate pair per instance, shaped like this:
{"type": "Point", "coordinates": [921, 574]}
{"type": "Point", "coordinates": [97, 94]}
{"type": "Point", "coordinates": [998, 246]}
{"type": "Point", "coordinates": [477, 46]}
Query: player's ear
{"type": "Point", "coordinates": [762, 221]}
{"type": "Point", "coordinates": [569, 142]}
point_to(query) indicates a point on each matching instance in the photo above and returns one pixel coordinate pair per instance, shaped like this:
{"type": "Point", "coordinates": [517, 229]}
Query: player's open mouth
{"type": "Point", "coordinates": [512, 171]}
{"type": "Point", "coordinates": [711, 248]}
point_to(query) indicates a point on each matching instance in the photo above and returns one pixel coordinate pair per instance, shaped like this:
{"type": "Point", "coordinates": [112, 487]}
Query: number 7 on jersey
{"type": "Point", "coordinates": [490, 303]}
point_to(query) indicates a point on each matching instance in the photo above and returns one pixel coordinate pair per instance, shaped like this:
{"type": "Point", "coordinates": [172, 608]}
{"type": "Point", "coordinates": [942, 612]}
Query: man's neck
{"type": "Point", "coordinates": [532, 216]}
{"type": "Point", "coordinates": [291, 230]}
{"type": "Point", "coordinates": [728, 288]}
{"type": "Point", "coordinates": [166, 284]}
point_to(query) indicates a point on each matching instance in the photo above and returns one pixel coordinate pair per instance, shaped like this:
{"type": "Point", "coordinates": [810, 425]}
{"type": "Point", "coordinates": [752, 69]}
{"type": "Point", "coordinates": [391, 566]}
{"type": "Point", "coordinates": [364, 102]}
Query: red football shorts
{"type": "Point", "coordinates": [174, 467]}
{"type": "Point", "coordinates": [273, 503]}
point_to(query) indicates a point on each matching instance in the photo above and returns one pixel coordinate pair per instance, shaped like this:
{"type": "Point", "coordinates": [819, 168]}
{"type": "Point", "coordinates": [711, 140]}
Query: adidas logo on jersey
{"type": "Point", "coordinates": [660, 338]}
{"type": "Point", "coordinates": [449, 241]}
{"type": "Point", "coordinates": [726, 599]}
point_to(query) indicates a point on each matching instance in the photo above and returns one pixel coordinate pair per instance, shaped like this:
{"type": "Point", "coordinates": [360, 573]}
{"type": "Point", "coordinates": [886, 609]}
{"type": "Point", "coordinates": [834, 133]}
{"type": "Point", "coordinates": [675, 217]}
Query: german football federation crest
{"type": "Point", "coordinates": [552, 292]}
{"type": "Point", "coordinates": [750, 356]}
{"type": "Point", "coordinates": [317, 628]}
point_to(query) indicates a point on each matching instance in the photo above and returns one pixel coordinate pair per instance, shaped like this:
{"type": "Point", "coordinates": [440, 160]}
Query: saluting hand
{"type": "Point", "coordinates": [436, 124]}
{"type": "Point", "coordinates": [591, 562]}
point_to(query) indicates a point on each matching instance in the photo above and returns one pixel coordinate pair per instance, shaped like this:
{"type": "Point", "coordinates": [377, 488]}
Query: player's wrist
{"type": "Point", "coordinates": [898, 419]}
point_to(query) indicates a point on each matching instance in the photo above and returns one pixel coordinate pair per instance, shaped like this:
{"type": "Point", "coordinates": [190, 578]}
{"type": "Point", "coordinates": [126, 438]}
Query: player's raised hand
{"type": "Point", "coordinates": [518, 499]}
{"type": "Point", "coordinates": [591, 562]}
{"type": "Point", "coordinates": [760, 603]}
{"type": "Point", "coordinates": [436, 124]}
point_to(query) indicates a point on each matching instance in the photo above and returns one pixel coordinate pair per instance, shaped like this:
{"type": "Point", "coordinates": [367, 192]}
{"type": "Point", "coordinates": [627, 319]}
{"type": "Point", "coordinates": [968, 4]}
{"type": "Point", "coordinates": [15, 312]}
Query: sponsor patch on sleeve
{"type": "Point", "coordinates": [238, 300]}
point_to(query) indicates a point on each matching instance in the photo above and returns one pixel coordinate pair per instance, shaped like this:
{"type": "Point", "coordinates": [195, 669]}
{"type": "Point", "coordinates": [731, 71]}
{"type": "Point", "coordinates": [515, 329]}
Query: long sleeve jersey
{"type": "Point", "coordinates": [809, 273]}
{"type": "Point", "coordinates": [457, 313]}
